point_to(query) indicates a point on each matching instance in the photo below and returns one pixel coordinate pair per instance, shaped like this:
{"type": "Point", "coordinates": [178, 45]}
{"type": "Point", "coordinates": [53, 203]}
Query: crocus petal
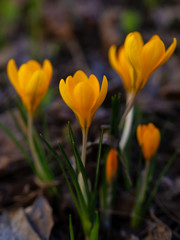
{"type": "Point", "coordinates": [94, 83]}
{"type": "Point", "coordinates": [38, 84]}
{"type": "Point", "coordinates": [85, 97]}
{"type": "Point", "coordinates": [65, 93]}
{"type": "Point", "coordinates": [168, 53]}
{"type": "Point", "coordinates": [152, 52]}
{"type": "Point", "coordinates": [113, 58]}
{"type": "Point", "coordinates": [133, 47]}
{"type": "Point", "coordinates": [102, 95]}
{"type": "Point", "coordinates": [12, 72]}
{"type": "Point", "coordinates": [125, 68]}
{"type": "Point", "coordinates": [24, 74]}
{"type": "Point", "coordinates": [35, 89]}
{"type": "Point", "coordinates": [139, 134]}
{"type": "Point", "coordinates": [33, 65]}
{"type": "Point", "coordinates": [48, 69]}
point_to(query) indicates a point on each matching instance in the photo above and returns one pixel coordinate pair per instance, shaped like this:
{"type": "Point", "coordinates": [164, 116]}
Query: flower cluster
{"type": "Point", "coordinates": [135, 61]}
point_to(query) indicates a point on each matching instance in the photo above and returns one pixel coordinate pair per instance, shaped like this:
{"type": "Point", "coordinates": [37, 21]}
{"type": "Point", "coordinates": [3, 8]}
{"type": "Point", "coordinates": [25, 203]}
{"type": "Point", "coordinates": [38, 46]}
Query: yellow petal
{"type": "Point", "coordinates": [36, 88]}
{"type": "Point", "coordinates": [33, 65]}
{"type": "Point", "coordinates": [139, 134]}
{"type": "Point", "coordinates": [73, 81]}
{"type": "Point", "coordinates": [168, 53]}
{"type": "Point", "coordinates": [133, 47]}
{"type": "Point", "coordinates": [152, 52]}
{"type": "Point", "coordinates": [102, 95]}
{"type": "Point", "coordinates": [65, 93]}
{"type": "Point", "coordinates": [125, 69]}
{"type": "Point", "coordinates": [48, 69]}
{"type": "Point", "coordinates": [94, 83]}
{"type": "Point", "coordinates": [24, 75]}
{"type": "Point", "coordinates": [12, 72]}
{"type": "Point", "coordinates": [85, 97]}
{"type": "Point", "coordinates": [79, 76]}
{"type": "Point", "coordinates": [113, 59]}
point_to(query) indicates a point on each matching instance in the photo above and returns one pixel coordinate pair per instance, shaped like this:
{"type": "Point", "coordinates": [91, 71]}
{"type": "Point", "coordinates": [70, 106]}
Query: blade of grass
{"type": "Point", "coordinates": [95, 229]}
{"type": "Point", "coordinates": [18, 126]}
{"type": "Point", "coordinates": [71, 228]}
{"type": "Point", "coordinates": [74, 179]}
{"type": "Point", "coordinates": [64, 173]}
{"type": "Point", "coordinates": [98, 162]}
{"type": "Point", "coordinates": [17, 143]}
{"type": "Point", "coordinates": [163, 172]}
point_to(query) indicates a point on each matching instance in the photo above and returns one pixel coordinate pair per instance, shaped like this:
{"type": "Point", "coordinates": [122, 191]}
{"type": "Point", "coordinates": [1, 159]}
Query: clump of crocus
{"type": "Point", "coordinates": [149, 139]}
{"type": "Point", "coordinates": [31, 81]}
{"type": "Point", "coordinates": [84, 96]}
{"type": "Point", "coordinates": [111, 166]}
{"type": "Point", "coordinates": [135, 61]}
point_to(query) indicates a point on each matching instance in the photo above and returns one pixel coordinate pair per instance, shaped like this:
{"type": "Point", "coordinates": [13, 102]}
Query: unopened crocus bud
{"type": "Point", "coordinates": [111, 165]}
{"type": "Point", "coordinates": [149, 139]}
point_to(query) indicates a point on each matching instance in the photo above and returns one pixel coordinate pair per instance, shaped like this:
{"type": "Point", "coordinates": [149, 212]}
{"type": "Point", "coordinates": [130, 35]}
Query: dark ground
{"type": "Point", "coordinates": [76, 35]}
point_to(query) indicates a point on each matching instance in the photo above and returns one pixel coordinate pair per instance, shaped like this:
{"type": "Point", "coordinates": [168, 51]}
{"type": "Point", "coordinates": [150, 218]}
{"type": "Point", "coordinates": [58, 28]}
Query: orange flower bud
{"type": "Point", "coordinates": [83, 95]}
{"type": "Point", "coordinates": [31, 81]}
{"type": "Point", "coordinates": [135, 61]}
{"type": "Point", "coordinates": [149, 139]}
{"type": "Point", "coordinates": [111, 165]}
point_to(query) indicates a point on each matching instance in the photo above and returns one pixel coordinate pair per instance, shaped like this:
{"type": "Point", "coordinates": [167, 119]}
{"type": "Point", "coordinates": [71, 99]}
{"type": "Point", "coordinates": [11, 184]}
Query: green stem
{"type": "Point", "coordinates": [130, 103]}
{"type": "Point", "coordinates": [144, 183]}
{"type": "Point", "coordinates": [140, 198]}
{"type": "Point", "coordinates": [127, 129]}
{"type": "Point", "coordinates": [37, 164]}
{"type": "Point", "coordinates": [83, 159]}
{"type": "Point", "coordinates": [84, 146]}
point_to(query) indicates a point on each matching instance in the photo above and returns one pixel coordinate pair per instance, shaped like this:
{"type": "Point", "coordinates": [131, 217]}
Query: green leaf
{"type": "Point", "coordinates": [71, 228]}
{"type": "Point", "coordinates": [74, 180]}
{"type": "Point", "coordinates": [98, 162]}
{"type": "Point", "coordinates": [18, 126]}
{"type": "Point", "coordinates": [17, 143]}
{"type": "Point", "coordinates": [80, 164]}
{"type": "Point", "coordinates": [163, 172]}
{"type": "Point", "coordinates": [95, 229]}
{"type": "Point", "coordinates": [64, 173]}
{"type": "Point", "coordinates": [43, 158]}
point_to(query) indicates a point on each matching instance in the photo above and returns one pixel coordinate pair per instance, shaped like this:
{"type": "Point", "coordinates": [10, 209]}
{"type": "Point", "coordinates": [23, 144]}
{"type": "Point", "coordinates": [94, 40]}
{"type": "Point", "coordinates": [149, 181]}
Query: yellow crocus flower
{"type": "Point", "coordinates": [149, 139]}
{"type": "Point", "coordinates": [83, 95]}
{"type": "Point", "coordinates": [135, 61]}
{"type": "Point", "coordinates": [111, 165]}
{"type": "Point", "coordinates": [31, 81]}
